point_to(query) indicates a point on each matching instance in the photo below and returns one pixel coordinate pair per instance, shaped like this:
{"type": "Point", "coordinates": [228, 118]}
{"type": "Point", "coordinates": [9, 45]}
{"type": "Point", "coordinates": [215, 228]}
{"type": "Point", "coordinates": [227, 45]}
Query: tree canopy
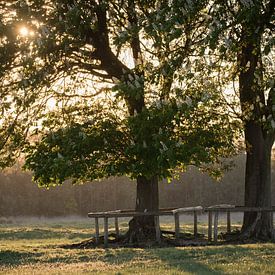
{"type": "Point", "coordinates": [240, 29]}
{"type": "Point", "coordinates": [134, 91]}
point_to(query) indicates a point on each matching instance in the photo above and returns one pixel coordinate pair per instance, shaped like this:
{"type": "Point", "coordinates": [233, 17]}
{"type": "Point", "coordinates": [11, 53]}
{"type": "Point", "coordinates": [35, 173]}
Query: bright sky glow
{"type": "Point", "coordinates": [23, 31]}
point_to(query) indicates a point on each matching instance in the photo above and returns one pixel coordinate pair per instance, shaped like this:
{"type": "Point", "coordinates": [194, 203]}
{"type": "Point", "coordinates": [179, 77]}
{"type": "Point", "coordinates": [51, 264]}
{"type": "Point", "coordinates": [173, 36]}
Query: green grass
{"type": "Point", "coordinates": [27, 248]}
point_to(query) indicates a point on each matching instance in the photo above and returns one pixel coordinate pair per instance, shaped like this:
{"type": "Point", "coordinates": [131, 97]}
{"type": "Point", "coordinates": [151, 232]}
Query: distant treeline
{"type": "Point", "coordinates": [20, 197]}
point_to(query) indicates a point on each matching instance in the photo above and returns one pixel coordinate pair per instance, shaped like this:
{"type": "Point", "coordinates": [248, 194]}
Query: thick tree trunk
{"type": "Point", "coordinates": [147, 199]}
{"type": "Point", "coordinates": [257, 183]}
{"type": "Point", "coordinates": [258, 137]}
{"type": "Point", "coordinates": [140, 228]}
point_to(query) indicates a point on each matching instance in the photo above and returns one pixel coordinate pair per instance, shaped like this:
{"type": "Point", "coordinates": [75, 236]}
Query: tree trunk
{"type": "Point", "coordinates": [142, 229]}
{"type": "Point", "coordinates": [257, 183]}
{"type": "Point", "coordinates": [258, 137]}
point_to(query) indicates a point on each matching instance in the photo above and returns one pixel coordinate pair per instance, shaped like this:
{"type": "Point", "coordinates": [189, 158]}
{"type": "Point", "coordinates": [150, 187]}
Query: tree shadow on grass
{"type": "Point", "coordinates": [183, 261]}
{"type": "Point", "coordinates": [37, 233]}
{"type": "Point", "coordinates": [15, 258]}
{"type": "Point", "coordinates": [175, 259]}
{"type": "Point", "coordinates": [202, 261]}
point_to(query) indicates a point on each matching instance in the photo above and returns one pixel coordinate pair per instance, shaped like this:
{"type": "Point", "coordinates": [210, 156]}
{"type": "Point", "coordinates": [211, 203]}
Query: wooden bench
{"type": "Point", "coordinates": [176, 212]}
{"type": "Point", "coordinates": [216, 209]}
{"type": "Point", "coordinates": [213, 210]}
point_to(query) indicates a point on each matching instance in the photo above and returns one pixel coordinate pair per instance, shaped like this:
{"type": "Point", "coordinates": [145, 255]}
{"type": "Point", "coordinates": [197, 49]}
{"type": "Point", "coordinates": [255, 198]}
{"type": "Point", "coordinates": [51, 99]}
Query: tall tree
{"type": "Point", "coordinates": [127, 100]}
{"type": "Point", "coordinates": [243, 34]}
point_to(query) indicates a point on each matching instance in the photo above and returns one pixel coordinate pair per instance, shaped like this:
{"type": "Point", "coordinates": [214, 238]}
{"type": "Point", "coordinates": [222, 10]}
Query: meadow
{"type": "Point", "coordinates": [33, 246]}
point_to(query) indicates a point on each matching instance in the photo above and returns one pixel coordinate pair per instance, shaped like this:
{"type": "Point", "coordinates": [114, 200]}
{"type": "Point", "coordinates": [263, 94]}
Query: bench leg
{"type": "Point", "coordinates": [228, 222]}
{"type": "Point", "coordinates": [106, 232]}
{"type": "Point", "coordinates": [210, 226]}
{"type": "Point", "coordinates": [96, 231]}
{"type": "Point", "coordinates": [177, 226]}
{"type": "Point", "coordinates": [195, 224]}
{"type": "Point", "coordinates": [272, 227]}
{"type": "Point", "coordinates": [216, 218]}
{"type": "Point", "coordinates": [157, 229]}
{"type": "Point", "coordinates": [117, 227]}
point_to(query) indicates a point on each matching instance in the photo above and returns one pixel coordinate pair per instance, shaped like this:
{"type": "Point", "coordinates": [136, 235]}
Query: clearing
{"type": "Point", "coordinates": [32, 246]}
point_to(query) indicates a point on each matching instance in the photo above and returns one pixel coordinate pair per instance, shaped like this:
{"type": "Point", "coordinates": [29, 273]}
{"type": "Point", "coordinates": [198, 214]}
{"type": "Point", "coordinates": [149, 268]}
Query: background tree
{"type": "Point", "coordinates": [127, 100]}
{"type": "Point", "coordinates": [242, 35]}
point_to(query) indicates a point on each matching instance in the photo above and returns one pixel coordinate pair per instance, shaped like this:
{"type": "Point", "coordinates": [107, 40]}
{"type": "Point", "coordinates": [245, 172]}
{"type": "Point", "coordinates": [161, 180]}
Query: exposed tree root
{"type": "Point", "coordinates": [140, 231]}
{"type": "Point", "coordinates": [167, 240]}
{"type": "Point", "coordinates": [255, 232]}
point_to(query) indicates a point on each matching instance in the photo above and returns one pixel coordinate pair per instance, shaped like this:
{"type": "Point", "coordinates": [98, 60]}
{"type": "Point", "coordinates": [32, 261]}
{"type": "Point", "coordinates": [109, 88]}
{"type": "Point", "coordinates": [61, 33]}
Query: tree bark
{"type": "Point", "coordinates": [257, 183]}
{"type": "Point", "coordinates": [147, 199]}
{"type": "Point", "coordinates": [259, 139]}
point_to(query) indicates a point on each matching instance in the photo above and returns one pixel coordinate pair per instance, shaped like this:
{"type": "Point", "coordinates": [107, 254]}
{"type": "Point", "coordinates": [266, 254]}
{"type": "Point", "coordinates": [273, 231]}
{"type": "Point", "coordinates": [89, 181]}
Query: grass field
{"type": "Point", "coordinates": [33, 248]}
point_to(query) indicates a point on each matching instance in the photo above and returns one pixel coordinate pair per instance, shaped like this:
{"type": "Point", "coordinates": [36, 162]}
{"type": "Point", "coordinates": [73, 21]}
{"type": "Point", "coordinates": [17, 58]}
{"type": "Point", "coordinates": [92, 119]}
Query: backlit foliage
{"type": "Point", "coordinates": [134, 89]}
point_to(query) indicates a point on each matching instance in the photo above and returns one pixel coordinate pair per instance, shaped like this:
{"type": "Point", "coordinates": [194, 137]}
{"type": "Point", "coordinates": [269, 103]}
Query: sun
{"type": "Point", "coordinates": [24, 31]}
